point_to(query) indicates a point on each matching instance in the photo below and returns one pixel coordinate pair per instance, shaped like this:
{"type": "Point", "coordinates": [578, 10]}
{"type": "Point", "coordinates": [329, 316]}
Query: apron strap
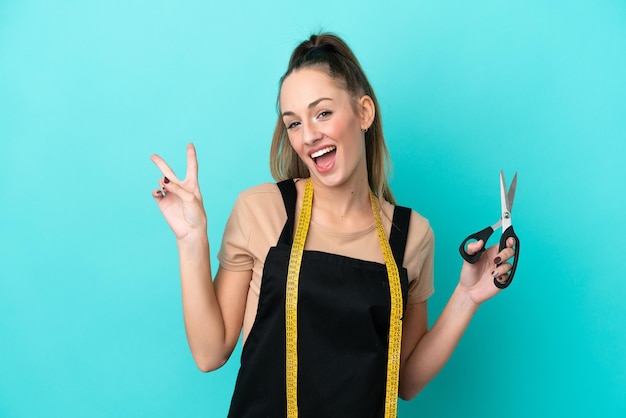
{"type": "Point", "coordinates": [290, 195]}
{"type": "Point", "coordinates": [399, 233]}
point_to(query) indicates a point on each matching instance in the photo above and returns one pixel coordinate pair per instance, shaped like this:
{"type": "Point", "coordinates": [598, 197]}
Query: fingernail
{"type": "Point", "coordinates": [497, 260]}
{"type": "Point", "coordinates": [166, 180]}
{"type": "Point", "coordinates": [495, 273]}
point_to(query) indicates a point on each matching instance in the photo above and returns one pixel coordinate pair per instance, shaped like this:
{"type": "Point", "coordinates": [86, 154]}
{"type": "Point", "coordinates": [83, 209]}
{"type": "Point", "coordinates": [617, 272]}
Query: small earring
{"type": "Point", "coordinates": [365, 130]}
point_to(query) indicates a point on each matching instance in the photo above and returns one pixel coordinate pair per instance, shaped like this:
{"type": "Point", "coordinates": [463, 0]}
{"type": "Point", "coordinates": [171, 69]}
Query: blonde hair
{"type": "Point", "coordinates": [331, 54]}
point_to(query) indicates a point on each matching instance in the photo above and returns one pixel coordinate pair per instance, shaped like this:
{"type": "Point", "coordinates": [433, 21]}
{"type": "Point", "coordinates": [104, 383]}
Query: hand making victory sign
{"type": "Point", "coordinates": [180, 202]}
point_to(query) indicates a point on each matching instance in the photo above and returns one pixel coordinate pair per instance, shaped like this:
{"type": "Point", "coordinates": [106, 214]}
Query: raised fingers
{"type": "Point", "coordinates": [192, 163]}
{"type": "Point", "coordinates": [162, 165]}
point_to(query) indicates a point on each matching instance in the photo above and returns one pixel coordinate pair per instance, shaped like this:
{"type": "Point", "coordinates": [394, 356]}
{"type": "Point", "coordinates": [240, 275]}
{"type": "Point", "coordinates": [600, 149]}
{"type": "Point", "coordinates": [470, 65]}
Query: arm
{"type": "Point", "coordinates": [213, 312]}
{"type": "Point", "coordinates": [425, 352]}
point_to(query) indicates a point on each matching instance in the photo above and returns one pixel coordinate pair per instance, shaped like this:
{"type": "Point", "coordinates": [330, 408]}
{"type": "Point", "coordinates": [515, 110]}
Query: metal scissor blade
{"type": "Point", "coordinates": [511, 194]}
{"type": "Point", "coordinates": [504, 203]}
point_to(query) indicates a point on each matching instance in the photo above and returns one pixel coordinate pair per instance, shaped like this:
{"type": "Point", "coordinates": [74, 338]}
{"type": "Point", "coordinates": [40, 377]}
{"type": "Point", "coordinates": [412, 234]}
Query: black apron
{"type": "Point", "coordinates": [343, 331]}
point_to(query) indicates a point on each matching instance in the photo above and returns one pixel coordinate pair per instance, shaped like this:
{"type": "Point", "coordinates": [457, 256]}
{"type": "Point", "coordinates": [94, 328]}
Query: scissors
{"type": "Point", "coordinates": [506, 201]}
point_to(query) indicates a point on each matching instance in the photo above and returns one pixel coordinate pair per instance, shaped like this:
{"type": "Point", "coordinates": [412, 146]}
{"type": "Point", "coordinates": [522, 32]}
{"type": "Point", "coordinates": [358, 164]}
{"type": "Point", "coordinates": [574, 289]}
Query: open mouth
{"type": "Point", "coordinates": [325, 156]}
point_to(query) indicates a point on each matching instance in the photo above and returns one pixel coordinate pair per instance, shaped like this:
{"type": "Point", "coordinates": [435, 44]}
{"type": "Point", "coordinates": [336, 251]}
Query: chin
{"type": "Point", "coordinates": [332, 180]}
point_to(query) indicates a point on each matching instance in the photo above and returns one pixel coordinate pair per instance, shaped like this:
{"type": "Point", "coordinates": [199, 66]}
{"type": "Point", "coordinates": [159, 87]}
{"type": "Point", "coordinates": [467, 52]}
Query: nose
{"type": "Point", "coordinates": [311, 133]}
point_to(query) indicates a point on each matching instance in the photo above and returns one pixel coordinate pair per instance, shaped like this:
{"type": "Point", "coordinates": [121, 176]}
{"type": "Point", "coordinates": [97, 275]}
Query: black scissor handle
{"type": "Point", "coordinates": [508, 233]}
{"type": "Point", "coordinates": [484, 235]}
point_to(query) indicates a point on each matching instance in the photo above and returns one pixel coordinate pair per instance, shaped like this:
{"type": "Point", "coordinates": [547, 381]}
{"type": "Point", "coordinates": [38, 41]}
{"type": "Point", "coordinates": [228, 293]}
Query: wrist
{"type": "Point", "coordinates": [193, 240]}
{"type": "Point", "coordinates": [465, 300]}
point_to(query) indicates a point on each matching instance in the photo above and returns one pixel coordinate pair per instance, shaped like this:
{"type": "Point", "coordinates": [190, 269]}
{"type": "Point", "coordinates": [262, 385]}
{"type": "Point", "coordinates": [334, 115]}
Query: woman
{"type": "Point", "coordinates": [326, 278]}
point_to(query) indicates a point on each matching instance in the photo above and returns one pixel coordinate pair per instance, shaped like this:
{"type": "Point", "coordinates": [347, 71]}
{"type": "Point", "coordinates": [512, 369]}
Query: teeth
{"type": "Point", "coordinates": [322, 152]}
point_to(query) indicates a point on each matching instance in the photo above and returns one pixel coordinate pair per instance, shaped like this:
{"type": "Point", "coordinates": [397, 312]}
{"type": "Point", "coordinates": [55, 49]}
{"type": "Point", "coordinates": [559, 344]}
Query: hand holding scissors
{"type": "Point", "coordinates": [506, 202]}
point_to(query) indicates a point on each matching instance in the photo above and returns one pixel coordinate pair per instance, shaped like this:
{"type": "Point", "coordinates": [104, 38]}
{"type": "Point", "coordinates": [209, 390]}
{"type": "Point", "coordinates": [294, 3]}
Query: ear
{"type": "Point", "coordinates": [367, 111]}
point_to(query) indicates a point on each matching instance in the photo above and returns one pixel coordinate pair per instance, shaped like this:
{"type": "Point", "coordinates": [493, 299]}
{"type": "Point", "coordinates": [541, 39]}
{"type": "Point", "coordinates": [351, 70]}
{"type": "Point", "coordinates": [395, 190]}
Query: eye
{"type": "Point", "coordinates": [324, 114]}
{"type": "Point", "coordinates": [292, 125]}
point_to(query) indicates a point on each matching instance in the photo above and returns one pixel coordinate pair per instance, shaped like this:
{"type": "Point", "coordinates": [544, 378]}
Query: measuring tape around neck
{"type": "Point", "coordinates": [291, 308]}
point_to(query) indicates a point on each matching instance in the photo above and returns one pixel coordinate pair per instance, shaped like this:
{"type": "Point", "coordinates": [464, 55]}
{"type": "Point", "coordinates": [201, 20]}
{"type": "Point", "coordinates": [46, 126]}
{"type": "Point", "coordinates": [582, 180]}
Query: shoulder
{"type": "Point", "coordinates": [260, 196]}
{"type": "Point", "coordinates": [419, 227]}
{"type": "Point", "coordinates": [262, 202]}
{"type": "Point", "coordinates": [254, 224]}
{"type": "Point", "coordinates": [260, 191]}
{"type": "Point", "coordinates": [420, 239]}
{"type": "Point", "coordinates": [419, 257]}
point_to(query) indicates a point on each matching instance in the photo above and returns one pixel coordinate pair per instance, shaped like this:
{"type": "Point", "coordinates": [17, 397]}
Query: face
{"type": "Point", "coordinates": [324, 127]}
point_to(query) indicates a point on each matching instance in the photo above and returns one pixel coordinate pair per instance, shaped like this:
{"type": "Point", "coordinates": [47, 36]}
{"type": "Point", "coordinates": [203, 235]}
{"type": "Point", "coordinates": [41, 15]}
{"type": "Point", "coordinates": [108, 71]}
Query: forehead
{"type": "Point", "coordinates": [305, 85]}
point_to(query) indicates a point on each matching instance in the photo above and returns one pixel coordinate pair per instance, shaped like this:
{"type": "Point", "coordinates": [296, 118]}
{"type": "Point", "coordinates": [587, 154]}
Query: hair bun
{"type": "Point", "coordinates": [325, 47]}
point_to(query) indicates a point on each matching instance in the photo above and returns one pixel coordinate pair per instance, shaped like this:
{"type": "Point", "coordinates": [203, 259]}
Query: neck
{"type": "Point", "coordinates": [348, 204]}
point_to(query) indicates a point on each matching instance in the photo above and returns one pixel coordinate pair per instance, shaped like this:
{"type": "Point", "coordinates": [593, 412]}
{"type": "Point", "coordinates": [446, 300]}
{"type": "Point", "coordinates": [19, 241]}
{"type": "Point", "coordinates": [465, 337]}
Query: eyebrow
{"type": "Point", "coordinates": [311, 105]}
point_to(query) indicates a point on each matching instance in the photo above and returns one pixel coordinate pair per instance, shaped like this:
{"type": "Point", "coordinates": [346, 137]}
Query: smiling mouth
{"type": "Point", "coordinates": [322, 152]}
{"type": "Point", "coordinates": [324, 159]}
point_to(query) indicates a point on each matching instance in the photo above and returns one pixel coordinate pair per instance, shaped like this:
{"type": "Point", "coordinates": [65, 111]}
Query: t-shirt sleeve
{"type": "Point", "coordinates": [234, 253]}
{"type": "Point", "coordinates": [419, 259]}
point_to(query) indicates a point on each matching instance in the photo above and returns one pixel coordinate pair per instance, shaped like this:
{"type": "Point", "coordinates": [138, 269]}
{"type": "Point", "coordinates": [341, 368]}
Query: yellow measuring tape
{"type": "Point", "coordinates": [395, 317]}
{"type": "Point", "coordinates": [291, 308]}
{"type": "Point", "coordinates": [291, 300]}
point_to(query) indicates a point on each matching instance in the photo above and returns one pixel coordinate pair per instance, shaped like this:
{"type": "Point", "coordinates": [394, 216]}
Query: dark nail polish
{"type": "Point", "coordinates": [497, 260]}
{"type": "Point", "coordinates": [166, 180]}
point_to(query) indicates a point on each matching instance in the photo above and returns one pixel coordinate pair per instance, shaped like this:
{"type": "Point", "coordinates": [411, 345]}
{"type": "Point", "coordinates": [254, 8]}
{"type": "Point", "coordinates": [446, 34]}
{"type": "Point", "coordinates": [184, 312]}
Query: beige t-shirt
{"type": "Point", "coordinates": [259, 216]}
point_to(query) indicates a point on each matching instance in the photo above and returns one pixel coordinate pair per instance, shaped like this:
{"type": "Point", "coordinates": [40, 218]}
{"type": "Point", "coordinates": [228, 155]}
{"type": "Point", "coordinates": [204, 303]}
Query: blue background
{"type": "Point", "coordinates": [90, 311]}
